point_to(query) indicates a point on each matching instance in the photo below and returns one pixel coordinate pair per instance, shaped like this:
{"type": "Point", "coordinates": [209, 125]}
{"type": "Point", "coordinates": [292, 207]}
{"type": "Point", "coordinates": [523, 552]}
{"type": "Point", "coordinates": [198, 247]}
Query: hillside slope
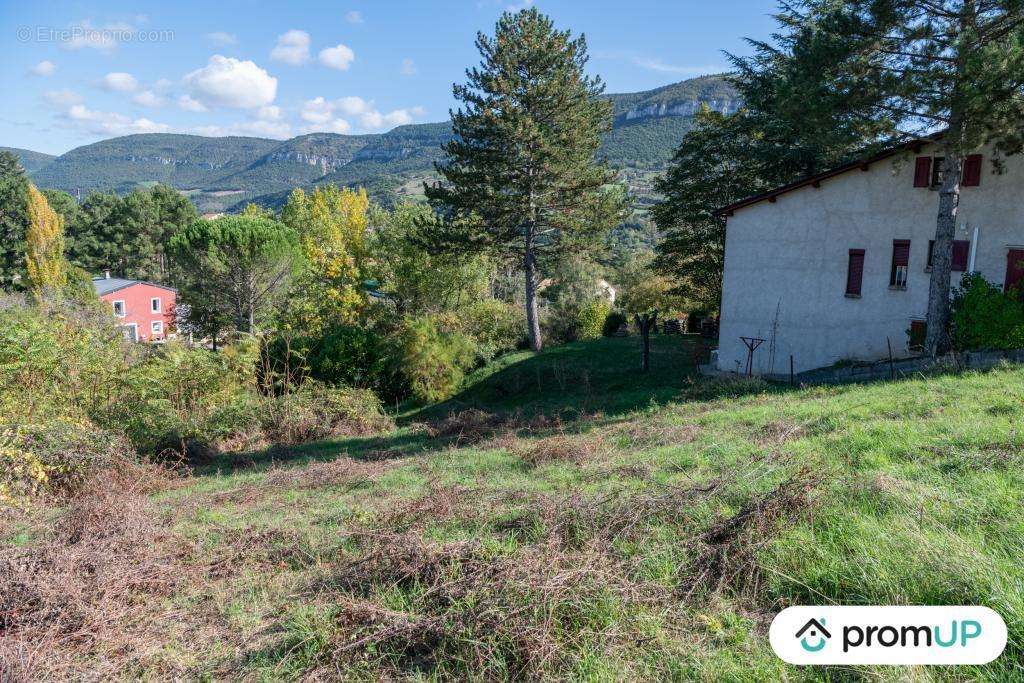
{"type": "Point", "coordinates": [30, 161]}
{"type": "Point", "coordinates": [219, 173]}
{"type": "Point", "coordinates": [566, 518]}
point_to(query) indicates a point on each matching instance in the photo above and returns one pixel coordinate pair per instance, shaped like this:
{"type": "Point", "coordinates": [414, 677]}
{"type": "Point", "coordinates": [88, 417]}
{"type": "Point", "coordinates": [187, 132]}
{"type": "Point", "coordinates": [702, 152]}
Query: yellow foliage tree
{"type": "Point", "coordinates": [332, 224]}
{"type": "Point", "coordinates": [44, 251]}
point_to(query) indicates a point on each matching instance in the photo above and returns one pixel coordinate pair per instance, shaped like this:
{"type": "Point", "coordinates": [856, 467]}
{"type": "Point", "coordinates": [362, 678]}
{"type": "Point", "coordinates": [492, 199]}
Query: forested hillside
{"type": "Point", "coordinates": [223, 173]}
{"type": "Point", "coordinates": [30, 161]}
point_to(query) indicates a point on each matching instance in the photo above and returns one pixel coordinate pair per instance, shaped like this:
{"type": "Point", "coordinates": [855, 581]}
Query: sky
{"type": "Point", "coordinates": [72, 73]}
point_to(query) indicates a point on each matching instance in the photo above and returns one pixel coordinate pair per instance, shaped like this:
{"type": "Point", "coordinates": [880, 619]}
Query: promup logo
{"type": "Point", "coordinates": [817, 631]}
{"type": "Point", "coordinates": [888, 635]}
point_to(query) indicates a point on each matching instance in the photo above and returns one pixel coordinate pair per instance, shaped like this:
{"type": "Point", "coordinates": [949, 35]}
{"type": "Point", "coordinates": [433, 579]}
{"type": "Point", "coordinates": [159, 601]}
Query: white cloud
{"type": "Point", "coordinates": [188, 104]}
{"type": "Point", "coordinates": [85, 35]}
{"type": "Point", "coordinates": [354, 17]}
{"type": "Point", "coordinates": [339, 57]}
{"type": "Point", "coordinates": [222, 38]}
{"type": "Point", "coordinates": [279, 131]}
{"type": "Point", "coordinates": [110, 123]}
{"type": "Point", "coordinates": [119, 81]}
{"type": "Point", "coordinates": [148, 98]}
{"type": "Point", "coordinates": [229, 82]}
{"type": "Point", "coordinates": [163, 86]}
{"type": "Point", "coordinates": [317, 110]}
{"type": "Point", "coordinates": [62, 98]}
{"type": "Point", "coordinates": [269, 113]}
{"type": "Point", "coordinates": [292, 48]}
{"type": "Point", "coordinates": [43, 68]}
{"type": "Point", "coordinates": [321, 114]}
{"type": "Point", "coordinates": [656, 64]}
{"type": "Point", "coordinates": [408, 67]}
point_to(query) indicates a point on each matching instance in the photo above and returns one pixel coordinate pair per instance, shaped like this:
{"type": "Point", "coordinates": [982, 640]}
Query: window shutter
{"type": "Point", "coordinates": [855, 272]}
{"type": "Point", "coordinates": [900, 260]}
{"type": "Point", "coordinates": [922, 171]}
{"type": "Point", "coordinates": [961, 249]}
{"type": "Point", "coordinates": [972, 171]}
{"type": "Point", "coordinates": [931, 248]}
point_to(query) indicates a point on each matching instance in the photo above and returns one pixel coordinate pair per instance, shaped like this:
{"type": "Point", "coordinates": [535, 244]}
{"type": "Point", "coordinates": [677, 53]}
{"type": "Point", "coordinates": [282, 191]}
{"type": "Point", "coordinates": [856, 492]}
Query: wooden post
{"type": "Point", "coordinates": [644, 324]}
{"type": "Point", "coordinates": [892, 368]}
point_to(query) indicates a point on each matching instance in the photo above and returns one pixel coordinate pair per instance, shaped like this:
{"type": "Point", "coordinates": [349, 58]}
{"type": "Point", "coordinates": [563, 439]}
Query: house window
{"type": "Point", "coordinates": [900, 264]}
{"type": "Point", "coordinates": [854, 272]}
{"type": "Point", "coordinates": [958, 262]}
{"type": "Point", "coordinates": [154, 304]}
{"type": "Point", "coordinates": [937, 171]}
{"type": "Point", "coordinates": [157, 327]}
{"type": "Point", "coordinates": [131, 332]}
{"type": "Point", "coordinates": [917, 333]}
{"type": "Point", "coordinates": [119, 308]}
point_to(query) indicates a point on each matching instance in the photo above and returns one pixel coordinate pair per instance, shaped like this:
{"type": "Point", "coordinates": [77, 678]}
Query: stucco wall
{"type": "Point", "coordinates": [791, 256]}
{"type": "Point", "coordinates": [137, 305]}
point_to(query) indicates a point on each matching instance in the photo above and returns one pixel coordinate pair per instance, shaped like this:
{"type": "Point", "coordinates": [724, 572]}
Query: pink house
{"type": "Point", "coordinates": [145, 310]}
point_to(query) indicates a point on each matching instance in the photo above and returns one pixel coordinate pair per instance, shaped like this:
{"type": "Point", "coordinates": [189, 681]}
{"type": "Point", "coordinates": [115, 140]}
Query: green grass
{"type": "Point", "coordinates": [574, 549]}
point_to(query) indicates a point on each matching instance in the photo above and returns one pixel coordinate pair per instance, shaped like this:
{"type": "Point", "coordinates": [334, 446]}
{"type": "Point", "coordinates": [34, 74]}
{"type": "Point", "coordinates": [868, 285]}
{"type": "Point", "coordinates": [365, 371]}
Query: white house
{"type": "Point", "coordinates": [829, 268]}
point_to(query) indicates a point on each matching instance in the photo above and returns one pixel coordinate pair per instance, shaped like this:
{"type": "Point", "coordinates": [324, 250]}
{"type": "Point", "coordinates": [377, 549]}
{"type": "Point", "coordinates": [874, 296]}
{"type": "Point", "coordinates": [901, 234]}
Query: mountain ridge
{"type": "Point", "coordinates": [224, 173]}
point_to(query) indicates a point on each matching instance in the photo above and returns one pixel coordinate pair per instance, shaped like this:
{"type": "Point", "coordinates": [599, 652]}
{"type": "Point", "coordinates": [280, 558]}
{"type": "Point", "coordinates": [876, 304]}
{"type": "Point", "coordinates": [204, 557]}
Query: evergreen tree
{"type": "Point", "coordinates": [44, 245]}
{"type": "Point", "coordinates": [913, 67]}
{"type": "Point", "coordinates": [238, 263]}
{"type": "Point", "coordinates": [520, 175]}
{"type": "Point", "coordinates": [13, 220]}
{"type": "Point", "coordinates": [794, 123]}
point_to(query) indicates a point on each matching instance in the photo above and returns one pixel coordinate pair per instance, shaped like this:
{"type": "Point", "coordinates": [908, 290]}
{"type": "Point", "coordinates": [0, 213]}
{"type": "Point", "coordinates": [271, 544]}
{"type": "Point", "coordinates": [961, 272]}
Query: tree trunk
{"type": "Point", "coordinates": [532, 319]}
{"type": "Point", "coordinates": [937, 340]}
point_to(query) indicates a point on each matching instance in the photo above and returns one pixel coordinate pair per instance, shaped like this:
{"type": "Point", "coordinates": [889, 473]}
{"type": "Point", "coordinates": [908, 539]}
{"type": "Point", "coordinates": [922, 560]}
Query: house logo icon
{"type": "Point", "coordinates": [815, 632]}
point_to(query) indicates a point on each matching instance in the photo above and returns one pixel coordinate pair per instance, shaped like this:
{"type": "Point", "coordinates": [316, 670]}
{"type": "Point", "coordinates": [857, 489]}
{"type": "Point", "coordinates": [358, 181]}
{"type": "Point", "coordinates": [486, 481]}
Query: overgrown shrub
{"type": "Point", "coordinates": [182, 395]}
{"type": "Point", "coordinates": [318, 411]}
{"type": "Point", "coordinates": [612, 322]}
{"type": "Point", "coordinates": [591, 318]}
{"type": "Point", "coordinates": [55, 457]}
{"type": "Point", "coordinates": [59, 358]}
{"type": "Point", "coordinates": [432, 359]}
{"type": "Point", "coordinates": [495, 327]}
{"type": "Point", "coordinates": [347, 355]}
{"type": "Point", "coordinates": [983, 317]}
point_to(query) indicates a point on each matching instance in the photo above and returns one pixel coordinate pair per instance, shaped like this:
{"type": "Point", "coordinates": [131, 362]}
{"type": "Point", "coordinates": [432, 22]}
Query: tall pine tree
{"type": "Point", "coordinates": [521, 177]}
{"type": "Point", "coordinates": [917, 67]}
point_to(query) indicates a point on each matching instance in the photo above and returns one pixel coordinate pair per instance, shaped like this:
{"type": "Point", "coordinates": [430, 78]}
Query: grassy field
{"type": "Point", "coordinates": [567, 517]}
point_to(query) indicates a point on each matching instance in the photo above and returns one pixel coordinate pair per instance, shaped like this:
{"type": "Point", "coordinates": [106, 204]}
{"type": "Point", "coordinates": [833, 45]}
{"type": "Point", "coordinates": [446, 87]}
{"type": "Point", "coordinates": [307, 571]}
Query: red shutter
{"type": "Point", "coordinates": [961, 249]}
{"type": "Point", "coordinates": [972, 171]}
{"type": "Point", "coordinates": [900, 259]}
{"type": "Point", "coordinates": [855, 272]}
{"type": "Point", "coordinates": [922, 172]}
{"type": "Point", "coordinates": [1014, 269]}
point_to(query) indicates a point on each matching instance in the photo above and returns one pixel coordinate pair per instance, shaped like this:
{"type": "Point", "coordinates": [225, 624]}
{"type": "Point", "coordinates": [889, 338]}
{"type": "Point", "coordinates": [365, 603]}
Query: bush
{"type": "Point", "coordinates": [495, 327]}
{"type": "Point", "coordinates": [591, 318]}
{"type": "Point", "coordinates": [59, 358]}
{"type": "Point", "coordinates": [182, 398]}
{"type": "Point", "coordinates": [612, 322]}
{"type": "Point", "coordinates": [346, 356]}
{"type": "Point", "coordinates": [318, 411]}
{"type": "Point", "coordinates": [983, 317]}
{"type": "Point", "coordinates": [433, 360]}
{"type": "Point", "coordinates": [54, 457]}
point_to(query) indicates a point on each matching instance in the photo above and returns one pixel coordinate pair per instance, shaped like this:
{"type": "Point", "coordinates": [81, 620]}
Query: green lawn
{"type": "Point", "coordinates": [578, 520]}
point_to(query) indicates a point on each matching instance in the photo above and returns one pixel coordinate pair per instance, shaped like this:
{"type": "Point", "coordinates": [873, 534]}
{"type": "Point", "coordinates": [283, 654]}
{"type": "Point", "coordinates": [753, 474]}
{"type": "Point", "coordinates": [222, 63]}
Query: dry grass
{"type": "Point", "coordinates": [84, 587]}
{"type": "Point", "coordinates": [575, 449]}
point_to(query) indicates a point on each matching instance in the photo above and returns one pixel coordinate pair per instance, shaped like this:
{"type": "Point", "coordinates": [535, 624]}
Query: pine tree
{"type": "Point", "coordinates": [520, 175]}
{"type": "Point", "coordinates": [13, 220]}
{"type": "Point", "coordinates": [954, 68]}
{"type": "Point", "coordinates": [44, 244]}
